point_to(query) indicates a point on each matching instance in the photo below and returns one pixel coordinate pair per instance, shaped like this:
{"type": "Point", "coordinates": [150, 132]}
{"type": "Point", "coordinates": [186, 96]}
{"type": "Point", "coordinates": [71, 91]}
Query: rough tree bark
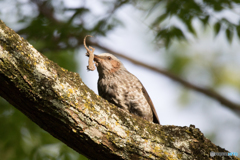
{"type": "Point", "coordinates": [60, 103]}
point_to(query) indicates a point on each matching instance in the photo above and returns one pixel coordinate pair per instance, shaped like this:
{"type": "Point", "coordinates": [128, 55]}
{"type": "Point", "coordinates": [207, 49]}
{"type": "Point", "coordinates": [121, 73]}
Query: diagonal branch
{"type": "Point", "coordinates": [208, 92]}
{"type": "Point", "coordinates": [60, 103]}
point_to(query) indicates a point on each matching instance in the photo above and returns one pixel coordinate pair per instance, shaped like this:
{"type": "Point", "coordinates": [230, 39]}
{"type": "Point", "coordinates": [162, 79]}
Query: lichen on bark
{"type": "Point", "coordinates": [59, 102]}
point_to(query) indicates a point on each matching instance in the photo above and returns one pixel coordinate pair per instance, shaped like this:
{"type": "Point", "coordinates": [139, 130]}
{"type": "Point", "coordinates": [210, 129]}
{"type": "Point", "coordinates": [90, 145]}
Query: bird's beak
{"type": "Point", "coordinates": [97, 58]}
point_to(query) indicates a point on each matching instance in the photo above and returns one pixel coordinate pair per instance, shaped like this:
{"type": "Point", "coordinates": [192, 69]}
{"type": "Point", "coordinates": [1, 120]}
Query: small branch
{"type": "Point", "coordinates": [208, 92]}
{"type": "Point", "coordinates": [59, 102]}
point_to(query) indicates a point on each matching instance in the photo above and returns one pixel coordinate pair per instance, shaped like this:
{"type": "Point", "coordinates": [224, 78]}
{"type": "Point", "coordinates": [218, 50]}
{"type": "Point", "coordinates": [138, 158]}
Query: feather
{"type": "Point", "coordinates": [155, 116]}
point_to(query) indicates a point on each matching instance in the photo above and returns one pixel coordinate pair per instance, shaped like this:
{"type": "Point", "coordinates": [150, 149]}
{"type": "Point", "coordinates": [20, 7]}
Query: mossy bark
{"type": "Point", "coordinates": [60, 103]}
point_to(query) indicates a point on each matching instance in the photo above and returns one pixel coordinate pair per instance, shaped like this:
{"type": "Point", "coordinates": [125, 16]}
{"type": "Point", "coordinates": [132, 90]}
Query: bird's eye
{"type": "Point", "coordinates": [109, 58]}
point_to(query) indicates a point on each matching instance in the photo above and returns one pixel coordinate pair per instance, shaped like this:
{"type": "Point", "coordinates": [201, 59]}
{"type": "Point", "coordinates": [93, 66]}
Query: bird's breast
{"type": "Point", "coordinates": [113, 88]}
{"type": "Point", "coordinates": [107, 88]}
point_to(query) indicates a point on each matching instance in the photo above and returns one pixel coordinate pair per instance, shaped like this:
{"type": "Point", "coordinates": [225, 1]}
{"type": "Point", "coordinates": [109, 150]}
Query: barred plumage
{"type": "Point", "coordinates": [122, 88]}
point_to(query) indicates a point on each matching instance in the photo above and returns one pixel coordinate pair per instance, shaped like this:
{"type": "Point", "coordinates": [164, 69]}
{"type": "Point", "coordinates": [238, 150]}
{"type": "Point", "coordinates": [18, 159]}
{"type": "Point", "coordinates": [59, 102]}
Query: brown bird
{"type": "Point", "coordinates": [120, 87]}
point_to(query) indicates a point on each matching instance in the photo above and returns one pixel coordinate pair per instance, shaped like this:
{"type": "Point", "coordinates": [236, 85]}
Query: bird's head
{"type": "Point", "coordinates": [108, 64]}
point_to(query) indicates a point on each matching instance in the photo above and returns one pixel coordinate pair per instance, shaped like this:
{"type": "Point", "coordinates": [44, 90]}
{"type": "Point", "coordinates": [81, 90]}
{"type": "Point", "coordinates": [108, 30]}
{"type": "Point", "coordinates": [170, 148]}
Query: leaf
{"type": "Point", "coordinates": [229, 34]}
{"type": "Point", "coordinates": [217, 28]}
{"type": "Point", "coordinates": [236, 1]}
{"type": "Point", "coordinates": [205, 20]}
{"type": "Point", "coordinates": [178, 33]}
{"type": "Point", "coordinates": [160, 19]}
{"type": "Point", "coordinates": [168, 34]}
{"type": "Point", "coordinates": [162, 33]}
{"type": "Point", "coordinates": [190, 27]}
{"type": "Point", "coordinates": [238, 31]}
{"type": "Point", "coordinates": [167, 42]}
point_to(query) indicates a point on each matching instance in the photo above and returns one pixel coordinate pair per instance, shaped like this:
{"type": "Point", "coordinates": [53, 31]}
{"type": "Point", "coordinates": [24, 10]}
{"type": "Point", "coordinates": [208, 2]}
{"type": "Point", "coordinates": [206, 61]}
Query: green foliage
{"type": "Point", "coordinates": [186, 11]}
{"type": "Point", "coordinates": [217, 27]}
{"type": "Point", "coordinates": [229, 34]}
{"type": "Point", "coordinates": [57, 31]}
{"type": "Point", "coordinates": [168, 34]}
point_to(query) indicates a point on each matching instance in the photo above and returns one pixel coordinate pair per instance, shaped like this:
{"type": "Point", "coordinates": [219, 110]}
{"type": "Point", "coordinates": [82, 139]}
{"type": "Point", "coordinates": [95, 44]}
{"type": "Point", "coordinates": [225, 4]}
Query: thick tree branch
{"type": "Point", "coordinates": [60, 103]}
{"type": "Point", "coordinates": [208, 92]}
{"type": "Point", "coordinates": [48, 12]}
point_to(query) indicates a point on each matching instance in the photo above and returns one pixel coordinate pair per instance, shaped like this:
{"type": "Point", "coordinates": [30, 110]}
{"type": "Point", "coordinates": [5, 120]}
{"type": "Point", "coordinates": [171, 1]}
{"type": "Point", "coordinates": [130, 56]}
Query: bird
{"type": "Point", "coordinates": [118, 86]}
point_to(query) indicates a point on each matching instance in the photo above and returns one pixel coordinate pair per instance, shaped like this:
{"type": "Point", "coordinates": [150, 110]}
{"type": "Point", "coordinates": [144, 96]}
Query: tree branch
{"type": "Point", "coordinates": [208, 92]}
{"type": "Point", "coordinates": [60, 103]}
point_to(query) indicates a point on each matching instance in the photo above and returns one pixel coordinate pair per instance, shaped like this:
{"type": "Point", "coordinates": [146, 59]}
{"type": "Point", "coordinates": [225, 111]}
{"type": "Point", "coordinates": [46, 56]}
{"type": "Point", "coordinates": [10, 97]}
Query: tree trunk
{"type": "Point", "coordinates": [60, 103]}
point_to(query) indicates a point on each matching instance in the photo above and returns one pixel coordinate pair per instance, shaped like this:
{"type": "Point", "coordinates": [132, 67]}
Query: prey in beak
{"type": "Point", "coordinates": [97, 59]}
{"type": "Point", "coordinates": [90, 54]}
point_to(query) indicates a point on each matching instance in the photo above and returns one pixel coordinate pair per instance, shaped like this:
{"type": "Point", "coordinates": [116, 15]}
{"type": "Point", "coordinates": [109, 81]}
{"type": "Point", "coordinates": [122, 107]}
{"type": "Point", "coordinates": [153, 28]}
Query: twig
{"type": "Point", "coordinates": [209, 92]}
{"type": "Point", "coordinates": [90, 54]}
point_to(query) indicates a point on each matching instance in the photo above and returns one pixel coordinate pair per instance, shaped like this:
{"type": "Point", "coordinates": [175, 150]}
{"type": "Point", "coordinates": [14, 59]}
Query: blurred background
{"type": "Point", "coordinates": [183, 45]}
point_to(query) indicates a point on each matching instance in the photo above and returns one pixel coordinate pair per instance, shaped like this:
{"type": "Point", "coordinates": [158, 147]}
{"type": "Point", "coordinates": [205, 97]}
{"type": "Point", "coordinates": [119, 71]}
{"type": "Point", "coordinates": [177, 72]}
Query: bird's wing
{"type": "Point", "coordinates": [100, 89]}
{"type": "Point", "coordinates": [155, 116]}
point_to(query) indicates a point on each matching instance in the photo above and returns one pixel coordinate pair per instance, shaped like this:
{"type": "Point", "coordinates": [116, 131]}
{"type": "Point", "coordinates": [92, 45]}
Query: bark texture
{"type": "Point", "coordinates": [60, 103]}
